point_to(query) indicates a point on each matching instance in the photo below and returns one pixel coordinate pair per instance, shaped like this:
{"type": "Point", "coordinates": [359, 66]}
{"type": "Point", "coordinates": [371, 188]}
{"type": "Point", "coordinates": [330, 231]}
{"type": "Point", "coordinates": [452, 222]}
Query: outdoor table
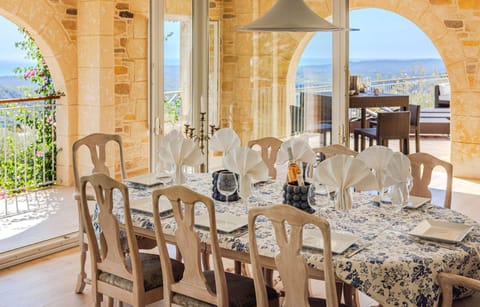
{"type": "Point", "coordinates": [395, 268]}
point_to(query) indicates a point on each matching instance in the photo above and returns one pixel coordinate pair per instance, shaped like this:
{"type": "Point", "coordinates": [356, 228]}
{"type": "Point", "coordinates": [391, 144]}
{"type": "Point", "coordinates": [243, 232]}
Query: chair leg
{"type": "Point", "coordinates": [83, 258]}
{"type": "Point", "coordinates": [350, 295]}
{"type": "Point", "coordinates": [417, 140]}
{"type": "Point", "coordinates": [355, 141]}
{"type": "Point", "coordinates": [268, 275]}
{"type": "Point", "coordinates": [237, 267]}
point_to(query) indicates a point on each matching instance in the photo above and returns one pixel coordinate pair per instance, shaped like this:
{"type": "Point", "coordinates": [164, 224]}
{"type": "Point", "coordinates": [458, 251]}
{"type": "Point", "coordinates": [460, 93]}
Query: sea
{"type": "Point", "coordinates": [310, 70]}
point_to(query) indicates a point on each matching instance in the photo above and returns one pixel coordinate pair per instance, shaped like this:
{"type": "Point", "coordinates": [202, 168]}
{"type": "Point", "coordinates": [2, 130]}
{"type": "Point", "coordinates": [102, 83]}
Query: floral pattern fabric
{"type": "Point", "coordinates": [395, 268]}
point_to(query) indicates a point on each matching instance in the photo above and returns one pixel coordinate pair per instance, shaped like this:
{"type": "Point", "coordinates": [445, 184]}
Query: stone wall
{"type": "Point", "coordinates": [266, 59]}
{"type": "Point", "coordinates": [248, 62]}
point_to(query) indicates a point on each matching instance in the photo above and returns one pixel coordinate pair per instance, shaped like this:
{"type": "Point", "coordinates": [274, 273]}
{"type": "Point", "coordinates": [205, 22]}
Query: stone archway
{"type": "Point", "coordinates": [460, 55]}
{"type": "Point", "coordinates": [39, 19]}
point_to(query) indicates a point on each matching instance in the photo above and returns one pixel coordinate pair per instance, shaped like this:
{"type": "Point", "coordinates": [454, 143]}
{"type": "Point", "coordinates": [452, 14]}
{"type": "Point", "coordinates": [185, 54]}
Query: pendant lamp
{"type": "Point", "coordinates": [290, 16]}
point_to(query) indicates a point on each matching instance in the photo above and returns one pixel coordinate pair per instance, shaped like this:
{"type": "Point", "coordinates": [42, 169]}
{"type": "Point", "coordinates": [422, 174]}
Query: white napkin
{"type": "Point", "coordinates": [398, 172]}
{"type": "Point", "coordinates": [249, 165]}
{"type": "Point", "coordinates": [178, 150]}
{"type": "Point", "coordinates": [377, 158]}
{"type": "Point", "coordinates": [300, 148]}
{"type": "Point", "coordinates": [224, 140]}
{"type": "Point", "coordinates": [343, 172]}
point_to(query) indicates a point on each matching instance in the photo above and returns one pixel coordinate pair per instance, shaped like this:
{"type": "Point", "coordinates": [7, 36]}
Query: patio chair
{"type": "Point", "coordinates": [422, 165]}
{"type": "Point", "coordinates": [448, 281]}
{"type": "Point", "coordinates": [290, 262]}
{"type": "Point", "coordinates": [390, 126]}
{"type": "Point", "coordinates": [197, 286]}
{"type": "Point", "coordinates": [269, 147]}
{"type": "Point", "coordinates": [414, 123]}
{"type": "Point", "coordinates": [133, 278]}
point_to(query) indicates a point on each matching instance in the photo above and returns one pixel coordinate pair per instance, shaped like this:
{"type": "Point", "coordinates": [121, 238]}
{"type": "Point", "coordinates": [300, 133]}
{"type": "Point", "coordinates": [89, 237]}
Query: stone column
{"type": "Point", "coordinates": [96, 81]}
{"type": "Point", "coordinates": [95, 67]}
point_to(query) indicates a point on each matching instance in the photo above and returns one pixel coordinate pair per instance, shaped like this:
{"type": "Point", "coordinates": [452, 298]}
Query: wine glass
{"type": "Point", "coordinates": [227, 184]}
{"type": "Point", "coordinates": [165, 172]}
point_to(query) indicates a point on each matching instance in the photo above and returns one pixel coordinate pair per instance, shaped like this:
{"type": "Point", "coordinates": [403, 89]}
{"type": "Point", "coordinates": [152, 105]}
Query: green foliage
{"type": "Point", "coordinates": [171, 108]}
{"type": "Point", "coordinates": [27, 130]}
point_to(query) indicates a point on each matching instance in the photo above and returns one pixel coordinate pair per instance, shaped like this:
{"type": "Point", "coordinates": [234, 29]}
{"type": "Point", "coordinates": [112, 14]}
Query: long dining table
{"type": "Point", "coordinates": [391, 266]}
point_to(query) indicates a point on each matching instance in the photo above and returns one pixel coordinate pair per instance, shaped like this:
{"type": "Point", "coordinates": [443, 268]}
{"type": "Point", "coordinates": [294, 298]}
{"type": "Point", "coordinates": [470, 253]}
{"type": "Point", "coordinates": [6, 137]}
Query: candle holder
{"type": "Point", "coordinates": [202, 136]}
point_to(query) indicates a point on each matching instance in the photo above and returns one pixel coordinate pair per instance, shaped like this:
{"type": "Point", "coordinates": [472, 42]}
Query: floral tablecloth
{"type": "Point", "coordinates": [396, 269]}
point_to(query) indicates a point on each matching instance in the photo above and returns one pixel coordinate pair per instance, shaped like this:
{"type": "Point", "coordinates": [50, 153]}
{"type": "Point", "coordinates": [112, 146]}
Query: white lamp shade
{"type": "Point", "coordinates": [290, 16]}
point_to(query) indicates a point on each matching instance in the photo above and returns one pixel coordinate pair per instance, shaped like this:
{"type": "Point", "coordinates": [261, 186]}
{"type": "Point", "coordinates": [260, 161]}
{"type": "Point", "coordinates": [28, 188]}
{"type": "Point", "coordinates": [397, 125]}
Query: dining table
{"type": "Point", "coordinates": [386, 262]}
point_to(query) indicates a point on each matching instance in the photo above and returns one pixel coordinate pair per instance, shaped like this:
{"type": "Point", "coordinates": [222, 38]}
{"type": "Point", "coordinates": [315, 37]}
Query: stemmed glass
{"type": "Point", "coordinates": [165, 172]}
{"type": "Point", "coordinates": [227, 184]}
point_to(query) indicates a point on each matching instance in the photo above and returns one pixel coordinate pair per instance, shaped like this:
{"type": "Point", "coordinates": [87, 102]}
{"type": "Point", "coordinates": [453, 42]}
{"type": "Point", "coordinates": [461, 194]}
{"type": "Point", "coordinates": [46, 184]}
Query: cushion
{"type": "Point", "coordinates": [444, 89]}
{"type": "Point", "coordinates": [241, 292]}
{"type": "Point", "coordinates": [471, 301]}
{"type": "Point", "coordinates": [152, 273]}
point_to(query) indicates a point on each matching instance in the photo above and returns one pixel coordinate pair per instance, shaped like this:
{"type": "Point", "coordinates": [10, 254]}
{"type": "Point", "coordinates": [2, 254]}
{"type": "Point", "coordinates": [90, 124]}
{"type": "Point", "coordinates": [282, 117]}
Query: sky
{"type": "Point", "coordinates": [9, 34]}
{"type": "Point", "coordinates": [382, 35]}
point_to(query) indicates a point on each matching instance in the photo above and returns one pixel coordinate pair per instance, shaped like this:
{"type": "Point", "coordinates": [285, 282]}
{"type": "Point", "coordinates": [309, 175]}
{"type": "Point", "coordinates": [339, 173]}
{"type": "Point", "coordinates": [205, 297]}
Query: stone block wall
{"type": "Point", "coordinates": [248, 62]}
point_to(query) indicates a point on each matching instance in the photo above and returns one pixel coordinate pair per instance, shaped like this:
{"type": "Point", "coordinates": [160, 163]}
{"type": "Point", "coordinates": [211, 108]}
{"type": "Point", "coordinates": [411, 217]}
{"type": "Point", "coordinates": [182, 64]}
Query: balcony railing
{"type": "Point", "coordinates": [28, 150]}
{"type": "Point", "coordinates": [420, 90]}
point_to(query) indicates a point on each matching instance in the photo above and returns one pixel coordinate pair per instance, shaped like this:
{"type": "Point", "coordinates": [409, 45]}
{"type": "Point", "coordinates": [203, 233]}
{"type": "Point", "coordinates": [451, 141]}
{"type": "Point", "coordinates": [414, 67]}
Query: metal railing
{"type": "Point", "coordinates": [28, 150]}
{"type": "Point", "coordinates": [420, 90]}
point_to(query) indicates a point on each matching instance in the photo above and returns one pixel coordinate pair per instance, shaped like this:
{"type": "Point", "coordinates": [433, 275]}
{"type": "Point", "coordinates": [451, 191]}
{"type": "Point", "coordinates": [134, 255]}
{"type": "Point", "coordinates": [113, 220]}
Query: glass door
{"type": "Point", "coordinates": [178, 68]}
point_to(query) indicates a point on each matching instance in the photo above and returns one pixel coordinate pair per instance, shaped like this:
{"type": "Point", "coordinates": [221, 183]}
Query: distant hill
{"type": "Point", "coordinates": [372, 69]}
{"type": "Point", "coordinates": [11, 87]}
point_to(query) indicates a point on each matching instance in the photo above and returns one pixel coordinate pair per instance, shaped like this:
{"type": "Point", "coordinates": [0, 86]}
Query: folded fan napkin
{"type": "Point", "coordinates": [344, 172]}
{"type": "Point", "coordinates": [249, 165]}
{"type": "Point", "coordinates": [224, 140]}
{"type": "Point", "coordinates": [398, 172]}
{"type": "Point", "coordinates": [178, 150]}
{"type": "Point", "coordinates": [377, 158]}
{"type": "Point", "coordinates": [300, 148]}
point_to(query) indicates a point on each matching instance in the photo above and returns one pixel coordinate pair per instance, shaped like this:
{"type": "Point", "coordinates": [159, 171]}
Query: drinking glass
{"type": "Point", "coordinates": [227, 184]}
{"type": "Point", "coordinates": [165, 172]}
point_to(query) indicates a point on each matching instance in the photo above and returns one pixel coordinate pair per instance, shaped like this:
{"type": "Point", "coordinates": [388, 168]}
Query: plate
{"type": "Point", "coordinates": [225, 222]}
{"type": "Point", "coordinates": [148, 180]}
{"type": "Point", "coordinates": [442, 231]}
{"type": "Point", "coordinates": [341, 241]}
{"type": "Point", "coordinates": [415, 202]}
{"type": "Point", "coordinates": [145, 205]}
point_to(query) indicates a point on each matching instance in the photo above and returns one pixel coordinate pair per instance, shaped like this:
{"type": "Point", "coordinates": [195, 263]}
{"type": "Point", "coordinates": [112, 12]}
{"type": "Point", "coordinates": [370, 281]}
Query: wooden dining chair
{"type": "Point", "coordinates": [448, 281]}
{"type": "Point", "coordinates": [390, 126]}
{"type": "Point", "coordinates": [333, 150]}
{"type": "Point", "coordinates": [422, 165]}
{"type": "Point", "coordinates": [269, 147]}
{"type": "Point", "coordinates": [198, 287]}
{"type": "Point", "coordinates": [135, 278]}
{"type": "Point", "coordinates": [289, 261]}
{"type": "Point", "coordinates": [96, 145]}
